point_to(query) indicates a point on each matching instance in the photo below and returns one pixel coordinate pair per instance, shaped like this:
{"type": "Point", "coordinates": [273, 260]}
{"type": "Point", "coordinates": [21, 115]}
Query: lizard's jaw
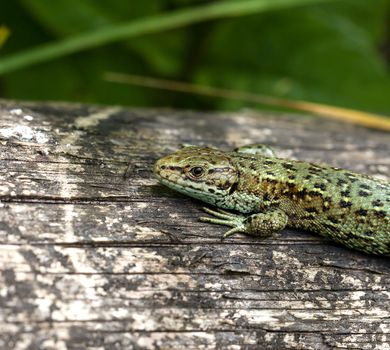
{"type": "Point", "coordinates": [189, 189]}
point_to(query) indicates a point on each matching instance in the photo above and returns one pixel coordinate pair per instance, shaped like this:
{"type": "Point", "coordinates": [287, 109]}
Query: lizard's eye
{"type": "Point", "coordinates": [197, 171]}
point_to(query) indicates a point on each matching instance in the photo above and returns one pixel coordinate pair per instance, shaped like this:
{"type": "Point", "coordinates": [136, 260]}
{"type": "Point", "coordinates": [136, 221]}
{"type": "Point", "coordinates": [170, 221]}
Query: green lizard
{"type": "Point", "coordinates": [270, 193]}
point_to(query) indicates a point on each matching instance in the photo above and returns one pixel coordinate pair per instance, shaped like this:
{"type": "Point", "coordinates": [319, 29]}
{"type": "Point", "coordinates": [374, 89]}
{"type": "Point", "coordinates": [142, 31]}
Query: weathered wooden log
{"type": "Point", "coordinates": [95, 254]}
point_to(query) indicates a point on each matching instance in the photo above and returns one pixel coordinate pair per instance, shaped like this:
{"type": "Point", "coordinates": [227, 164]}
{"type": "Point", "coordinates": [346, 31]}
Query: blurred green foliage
{"type": "Point", "coordinates": [4, 32]}
{"type": "Point", "coordinates": [326, 52]}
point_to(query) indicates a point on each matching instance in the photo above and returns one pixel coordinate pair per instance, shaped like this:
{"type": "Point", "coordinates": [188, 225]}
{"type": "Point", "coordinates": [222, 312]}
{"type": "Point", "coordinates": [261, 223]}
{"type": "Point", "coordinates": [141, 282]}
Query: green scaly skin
{"type": "Point", "coordinates": [272, 193]}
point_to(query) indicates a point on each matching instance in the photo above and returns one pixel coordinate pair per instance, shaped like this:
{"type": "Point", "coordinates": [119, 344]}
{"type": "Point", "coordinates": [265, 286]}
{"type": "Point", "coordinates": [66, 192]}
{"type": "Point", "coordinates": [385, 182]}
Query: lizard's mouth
{"type": "Point", "coordinates": [176, 185]}
{"type": "Point", "coordinates": [189, 190]}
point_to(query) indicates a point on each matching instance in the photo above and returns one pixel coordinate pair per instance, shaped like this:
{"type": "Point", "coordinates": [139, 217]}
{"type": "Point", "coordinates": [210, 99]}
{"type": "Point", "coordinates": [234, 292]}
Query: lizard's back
{"type": "Point", "coordinates": [351, 208]}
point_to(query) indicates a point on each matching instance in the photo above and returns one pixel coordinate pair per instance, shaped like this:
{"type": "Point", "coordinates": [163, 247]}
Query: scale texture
{"type": "Point", "coordinates": [350, 208]}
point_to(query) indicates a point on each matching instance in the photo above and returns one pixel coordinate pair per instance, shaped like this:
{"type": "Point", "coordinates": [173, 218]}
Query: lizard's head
{"type": "Point", "coordinates": [204, 173]}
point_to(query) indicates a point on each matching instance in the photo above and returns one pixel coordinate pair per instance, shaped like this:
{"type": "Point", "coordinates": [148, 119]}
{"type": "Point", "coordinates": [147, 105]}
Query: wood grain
{"type": "Point", "coordinates": [90, 258]}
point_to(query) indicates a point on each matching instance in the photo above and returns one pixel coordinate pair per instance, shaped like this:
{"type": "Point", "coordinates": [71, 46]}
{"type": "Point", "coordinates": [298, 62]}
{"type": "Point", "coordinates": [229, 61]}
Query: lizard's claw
{"type": "Point", "coordinates": [222, 217]}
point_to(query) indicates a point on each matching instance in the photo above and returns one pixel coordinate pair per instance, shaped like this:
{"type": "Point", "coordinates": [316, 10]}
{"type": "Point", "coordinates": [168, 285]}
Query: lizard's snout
{"type": "Point", "coordinates": [163, 167]}
{"type": "Point", "coordinates": [158, 166]}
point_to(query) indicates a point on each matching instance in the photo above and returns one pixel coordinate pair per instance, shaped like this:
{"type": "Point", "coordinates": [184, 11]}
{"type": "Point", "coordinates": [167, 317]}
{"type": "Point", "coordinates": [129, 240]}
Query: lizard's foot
{"type": "Point", "coordinates": [222, 217]}
{"type": "Point", "coordinates": [258, 224]}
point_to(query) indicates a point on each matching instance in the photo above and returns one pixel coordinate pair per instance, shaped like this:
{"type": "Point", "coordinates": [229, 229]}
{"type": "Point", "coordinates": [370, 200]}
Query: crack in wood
{"type": "Point", "coordinates": [89, 259]}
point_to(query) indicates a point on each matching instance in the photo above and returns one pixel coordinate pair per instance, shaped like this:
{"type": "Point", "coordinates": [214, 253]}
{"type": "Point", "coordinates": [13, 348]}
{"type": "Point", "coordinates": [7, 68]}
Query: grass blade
{"type": "Point", "coordinates": [158, 23]}
{"type": "Point", "coordinates": [367, 119]}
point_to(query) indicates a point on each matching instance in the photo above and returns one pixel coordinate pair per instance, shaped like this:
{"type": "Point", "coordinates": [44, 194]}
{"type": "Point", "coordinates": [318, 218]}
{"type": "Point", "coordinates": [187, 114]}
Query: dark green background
{"type": "Point", "coordinates": [331, 53]}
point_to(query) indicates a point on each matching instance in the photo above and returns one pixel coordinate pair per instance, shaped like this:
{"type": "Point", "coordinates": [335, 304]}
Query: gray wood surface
{"type": "Point", "coordinates": [92, 259]}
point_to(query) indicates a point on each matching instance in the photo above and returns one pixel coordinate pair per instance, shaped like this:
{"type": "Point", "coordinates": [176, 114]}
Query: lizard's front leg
{"type": "Point", "coordinates": [259, 224]}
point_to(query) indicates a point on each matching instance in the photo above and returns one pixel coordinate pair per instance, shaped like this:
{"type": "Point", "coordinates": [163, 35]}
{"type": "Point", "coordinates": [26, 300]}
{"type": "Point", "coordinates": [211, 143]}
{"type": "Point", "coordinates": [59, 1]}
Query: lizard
{"type": "Point", "coordinates": [268, 194]}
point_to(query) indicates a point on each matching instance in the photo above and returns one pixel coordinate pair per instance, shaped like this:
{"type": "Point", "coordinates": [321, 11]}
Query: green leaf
{"type": "Point", "coordinates": [66, 18]}
{"type": "Point", "coordinates": [317, 54]}
{"type": "Point", "coordinates": [171, 20]}
{"type": "Point", "coordinates": [77, 78]}
{"type": "Point", "coordinates": [4, 34]}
